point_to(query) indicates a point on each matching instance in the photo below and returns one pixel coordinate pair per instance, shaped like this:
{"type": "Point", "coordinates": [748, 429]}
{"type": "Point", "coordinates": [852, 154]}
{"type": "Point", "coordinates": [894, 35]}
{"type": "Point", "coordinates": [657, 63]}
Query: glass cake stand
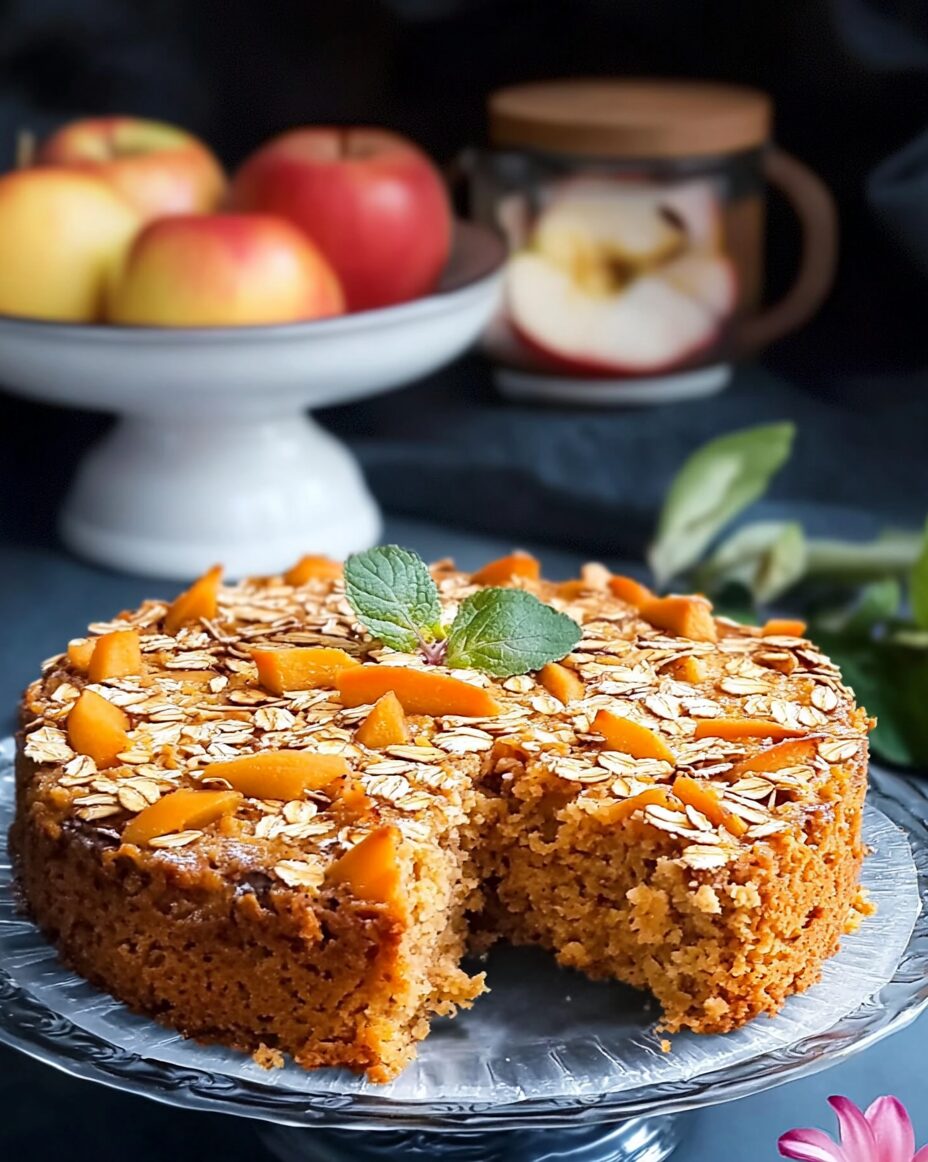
{"type": "Point", "coordinates": [548, 1066]}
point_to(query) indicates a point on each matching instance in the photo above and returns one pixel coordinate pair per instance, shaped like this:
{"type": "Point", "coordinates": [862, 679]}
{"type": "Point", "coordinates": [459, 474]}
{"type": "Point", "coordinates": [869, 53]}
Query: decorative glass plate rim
{"type": "Point", "coordinates": [29, 1025]}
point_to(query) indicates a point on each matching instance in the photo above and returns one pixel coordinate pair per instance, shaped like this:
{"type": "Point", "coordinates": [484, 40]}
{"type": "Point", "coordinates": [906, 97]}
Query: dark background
{"type": "Point", "coordinates": [850, 80]}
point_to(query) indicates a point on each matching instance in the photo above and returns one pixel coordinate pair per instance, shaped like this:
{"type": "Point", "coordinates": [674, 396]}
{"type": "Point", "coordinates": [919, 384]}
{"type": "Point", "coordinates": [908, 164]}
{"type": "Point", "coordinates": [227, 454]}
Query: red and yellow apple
{"type": "Point", "coordinates": [621, 281]}
{"type": "Point", "coordinates": [371, 200]}
{"type": "Point", "coordinates": [62, 233]}
{"type": "Point", "coordinates": [157, 168]}
{"type": "Point", "coordinates": [205, 270]}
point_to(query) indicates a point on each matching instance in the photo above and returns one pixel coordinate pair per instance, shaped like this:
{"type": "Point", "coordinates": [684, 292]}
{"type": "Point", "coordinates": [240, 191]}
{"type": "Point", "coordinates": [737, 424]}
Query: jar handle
{"type": "Point", "coordinates": [815, 208]}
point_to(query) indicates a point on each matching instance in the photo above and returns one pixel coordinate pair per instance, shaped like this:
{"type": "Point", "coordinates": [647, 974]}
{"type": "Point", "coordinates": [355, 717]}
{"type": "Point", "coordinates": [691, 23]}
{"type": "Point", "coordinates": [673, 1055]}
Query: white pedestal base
{"type": "Point", "coordinates": [169, 499]}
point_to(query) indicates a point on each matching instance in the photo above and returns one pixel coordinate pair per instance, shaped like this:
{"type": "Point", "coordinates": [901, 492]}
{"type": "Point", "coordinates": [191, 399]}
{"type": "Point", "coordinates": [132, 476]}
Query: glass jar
{"type": "Point", "coordinates": [634, 214]}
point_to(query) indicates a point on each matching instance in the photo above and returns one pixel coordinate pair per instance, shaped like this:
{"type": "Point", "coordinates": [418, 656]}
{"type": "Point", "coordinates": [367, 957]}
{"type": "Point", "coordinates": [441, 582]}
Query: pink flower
{"type": "Point", "coordinates": [883, 1134]}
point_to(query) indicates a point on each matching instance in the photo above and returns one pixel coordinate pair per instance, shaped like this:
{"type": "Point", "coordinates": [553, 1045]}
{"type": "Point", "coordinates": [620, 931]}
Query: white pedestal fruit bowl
{"type": "Point", "coordinates": [214, 457]}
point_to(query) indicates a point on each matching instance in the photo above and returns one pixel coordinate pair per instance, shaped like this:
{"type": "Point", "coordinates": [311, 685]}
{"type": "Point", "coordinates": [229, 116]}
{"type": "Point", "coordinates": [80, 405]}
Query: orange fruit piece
{"type": "Point", "coordinates": [504, 569]}
{"type": "Point", "coordinates": [562, 682]}
{"type": "Point", "coordinates": [115, 655]}
{"type": "Point", "coordinates": [631, 738]}
{"type": "Point", "coordinates": [688, 669]}
{"type": "Point", "coordinates": [278, 774]}
{"type": "Point", "coordinates": [313, 568]}
{"type": "Point", "coordinates": [793, 752]}
{"type": "Point", "coordinates": [371, 869]}
{"type": "Point", "coordinates": [569, 590]}
{"type": "Point", "coordinates": [658, 796]}
{"type": "Point", "coordinates": [192, 677]}
{"type": "Point", "coordinates": [629, 590]}
{"type": "Point", "coordinates": [200, 600]}
{"type": "Point", "coordinates": [80, 651]}
{"type": "Point", "coordinates": [418, 691]}
{"type": "Point", "coordinates": [300, 667]}
{"type": "Point", "coordinates": [732, 728]}
{"type": "Point", "coordinates": [386, 724]}
{"type": "Point", "coordinates": [783, 627]}
{"type": "Point", "coordinates": [179, 811]}
{"type": "Point", "coordinates": [689, 617]}
{"type": "Point", "coordinates": [705, 799]}
{"type": "Point", "coordinates": [98, 729]}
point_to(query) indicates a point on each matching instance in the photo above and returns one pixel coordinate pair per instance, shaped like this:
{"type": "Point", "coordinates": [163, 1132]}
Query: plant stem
{"type": "Point", "coordinates": [852, 561]}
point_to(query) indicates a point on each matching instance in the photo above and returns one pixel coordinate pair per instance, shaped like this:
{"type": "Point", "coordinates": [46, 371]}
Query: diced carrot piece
{"type": "Point", "coordinates": [688, 669]}
{"type": "Point", "coordinates": [115, 655]}
{"type": "Point", "coordinates": [80, 651]}
{"type": "Point", "coordinates": [200, 600]}
{"type": "Point", "coordinates": [631, 737]}
{"type": "Point", "coordinates": [300, 667]}
{"type": "Point", "coordinates": [689, 617]}
{"type": "Point", "coordinates": [278, 774]}
{"type": "Point", "coordinates": [629, 590]}
{"type": "Point", "coordinates": [503, 570]}
{"type": "Point", "coordinates": [179, 811]}
{"type": "Point", "coordinates": [658, 796]}
{"type": "Point", "coordinates": [98, 728]}
{"type": "Point", "coordinates": [562, 682]}
{"type": "Point", "coordinates": [385, 725]}
{"type": "Point", "coordinates": [707, 800]}
{"type": "Point", "coordinates": [793, 752]}
{"type": "Point", "coordinates": [313, 568]}
{"type": "Point", "coordinates": [732, 728]}
{"type": "Point", "coordinates": [783, 627]}
{"type": "Point", "coordinates": [371, 869]}
{"type": "Point", "coordinates": [419, 691]}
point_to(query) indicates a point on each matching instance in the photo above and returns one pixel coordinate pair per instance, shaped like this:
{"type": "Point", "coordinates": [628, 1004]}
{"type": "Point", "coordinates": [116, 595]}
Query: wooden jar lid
{"type": "Point", "coordinates": [630, 119]}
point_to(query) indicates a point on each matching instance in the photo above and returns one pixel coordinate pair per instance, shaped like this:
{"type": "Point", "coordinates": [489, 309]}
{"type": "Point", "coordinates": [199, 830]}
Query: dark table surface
{"type": "Point", "coordinates": [47, 597]}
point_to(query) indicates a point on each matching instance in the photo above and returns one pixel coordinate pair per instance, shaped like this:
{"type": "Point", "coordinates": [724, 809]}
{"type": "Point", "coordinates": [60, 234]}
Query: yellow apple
{"type": "Point", "coordinates": [213, 270]}
{"type": "Point", "coordinates": [159, 169]}
{"type": "Point", "coordinates": [61, 236]}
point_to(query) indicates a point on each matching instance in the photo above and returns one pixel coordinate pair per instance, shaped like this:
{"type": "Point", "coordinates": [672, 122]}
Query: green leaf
{"type": "Point", "coordinates": [918, 584]}
{"type": "Point", "coordinates": [876, 604]}
{"type": "Point", "coordinates": [392, 593]}
{"type": "Point", "coordinates": [717, 482]}
{"type": "Point", "coordinates": [766, 557]}
{"type": "Point", "coordinates": [891, 680]}
{"type": "Point", "coordinates": [508, 631]}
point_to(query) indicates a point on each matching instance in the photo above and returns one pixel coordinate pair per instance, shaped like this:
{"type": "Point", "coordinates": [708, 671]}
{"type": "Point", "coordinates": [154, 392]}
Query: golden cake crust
{"type": "Point", "coordinates": [525, 824]}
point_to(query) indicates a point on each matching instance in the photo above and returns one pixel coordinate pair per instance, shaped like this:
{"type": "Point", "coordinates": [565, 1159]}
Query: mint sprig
{"type": "Point", "coordinates": [393, 595]}
{"type": "Point", "coordinates": [499, 631]}
{"type": "Point", "coordinates": [508, 631]}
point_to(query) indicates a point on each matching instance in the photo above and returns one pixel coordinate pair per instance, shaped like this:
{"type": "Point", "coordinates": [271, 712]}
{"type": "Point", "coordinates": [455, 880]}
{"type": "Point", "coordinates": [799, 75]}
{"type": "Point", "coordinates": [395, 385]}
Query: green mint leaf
{"type": "Point", "coordinates": [392, 593]}
{"type": "Point", "coordinates": [717, 482]}
{"type": "Point", "coordinates": [918, 585]}
{"type": "Point", "coordinates": [508, 631]}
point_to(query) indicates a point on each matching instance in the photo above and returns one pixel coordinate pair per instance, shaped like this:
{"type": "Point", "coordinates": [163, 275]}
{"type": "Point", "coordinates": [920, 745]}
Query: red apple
{"type": "Point", "coordinates": [371, 200]}
{"type": "Point", "coordinates": [213, 270]}
{"type": "Point", "coordinates": [157, 168]}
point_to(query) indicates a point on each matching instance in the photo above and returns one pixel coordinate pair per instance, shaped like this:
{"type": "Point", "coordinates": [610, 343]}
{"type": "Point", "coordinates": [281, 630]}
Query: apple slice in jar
{"type": "Point", "coordinates": [616, 282]}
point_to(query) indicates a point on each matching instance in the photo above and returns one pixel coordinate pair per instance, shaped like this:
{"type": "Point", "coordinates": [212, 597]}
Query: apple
{"type": "Point", "coordinates": [621, 283]}
{"type": "Point", "coordinates": [205, 270]}
{"type": "Point", "coordinates": [371, 200]}
{"type": "Point", "coordinates": [157, 168]}
{"type": "Point", "coordinates": [62, 233]}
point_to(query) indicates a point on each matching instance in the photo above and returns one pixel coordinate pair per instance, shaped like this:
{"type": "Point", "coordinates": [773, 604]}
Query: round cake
{"type": "Point", "coordinates": [242, 814]}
